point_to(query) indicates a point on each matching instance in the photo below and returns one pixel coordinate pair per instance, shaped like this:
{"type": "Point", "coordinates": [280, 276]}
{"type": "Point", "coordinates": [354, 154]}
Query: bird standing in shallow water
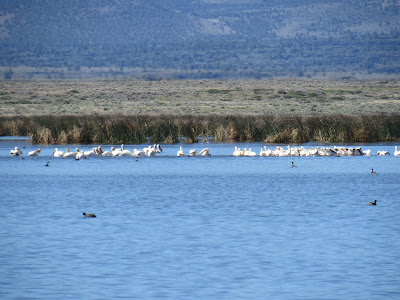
{"type": "Point", "coordinates": [89, 215]}
{"type": "Point", "coordinates": [372, 203]}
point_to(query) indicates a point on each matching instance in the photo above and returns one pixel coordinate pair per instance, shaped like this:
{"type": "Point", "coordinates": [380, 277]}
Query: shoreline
{"type": "Point", "coordinates": [136, 111]}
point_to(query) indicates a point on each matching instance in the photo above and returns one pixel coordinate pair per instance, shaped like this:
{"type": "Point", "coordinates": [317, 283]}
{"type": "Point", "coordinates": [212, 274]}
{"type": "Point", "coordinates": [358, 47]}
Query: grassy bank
{"type": "Point", "coordinates": [172, 128]}
{"type": "Point", "coordinates": [198, 97]}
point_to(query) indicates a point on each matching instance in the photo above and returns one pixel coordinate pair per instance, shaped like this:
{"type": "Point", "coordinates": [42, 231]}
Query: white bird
{"type": "Point", "coordinates": [367, 152]}
{"type": "Point", "coordinates": [193, 152]}
{"type": "Point", "coordinates": [237, 152]}
{"type": "Point", "coordinates": [382, 153]}
{"type": "Point", "coordinates": [250, 153]}
{"type": "Point", "coordinates": [268, 152]}
{"type": "Point", "coordinates": [125, 153]}
{"type": "Point", "coordinates": [92, 152]}
{"type": "Point", "coordinates": [205, 152]}
{"type": "Point", "coordinates": [180, 152]}
{"type": "Point", "coordinates": [16, 152]}
{"type": "Point", "coordinates": [137, 153]}
{"type": "Point", "coordinates": [115, 152]}
{"type": "Point", "coordinates": [58, 153]}
{"type": "Point", "coordinates": [150, 150]}
{"type": "Point", "coordinates": [80, 155]}
{"type": "Point", "coordinates": [69, 154]}
{"type": "Point", "coordinates": [34, 153]}
{"type": "Point", "coordinates": [396, 153]}
{"type": "Point", "coordinates": [104, 153]}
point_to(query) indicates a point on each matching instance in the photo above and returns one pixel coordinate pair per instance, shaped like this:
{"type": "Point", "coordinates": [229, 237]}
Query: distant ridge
{"type": "Point", "coordinates": [199, 39]}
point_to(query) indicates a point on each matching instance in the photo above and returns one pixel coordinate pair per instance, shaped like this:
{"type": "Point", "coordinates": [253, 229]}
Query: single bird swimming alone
{"type": "Point", "coordinates": [372, 203]}
{"type": "Point", "coordinates": [47, 165]}
{"type": "Point", "coordinates": [373, 172]}
{"type": "Point", "coordinates": [293, 165]}
{"type": "Point", "coordinates": [89, 215]}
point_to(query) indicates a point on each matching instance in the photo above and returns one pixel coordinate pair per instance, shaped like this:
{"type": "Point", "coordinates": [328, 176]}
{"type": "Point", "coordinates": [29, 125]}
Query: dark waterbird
{"type": "Point", "coordinates": [47, 165]}
{"type": "Point", "coordinates": [293, 165]}
{"type": "Point", "coordinates": [372, 203]}
{"type": "Point", "coordinates": [89, 215]}
{"type": "Point", "coordinates": [373, 172]}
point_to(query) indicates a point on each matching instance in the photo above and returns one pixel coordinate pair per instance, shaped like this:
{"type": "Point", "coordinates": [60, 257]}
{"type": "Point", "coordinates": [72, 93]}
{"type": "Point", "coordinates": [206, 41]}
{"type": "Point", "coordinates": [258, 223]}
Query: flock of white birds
{"type": "Point", "coordinates": [156, 148]}
{"type": "Point", "coordinates": [317, 151]}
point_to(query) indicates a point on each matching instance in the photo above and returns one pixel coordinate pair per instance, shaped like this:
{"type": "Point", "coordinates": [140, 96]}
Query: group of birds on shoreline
{"type": "Point", "coordinates": [156, 148]}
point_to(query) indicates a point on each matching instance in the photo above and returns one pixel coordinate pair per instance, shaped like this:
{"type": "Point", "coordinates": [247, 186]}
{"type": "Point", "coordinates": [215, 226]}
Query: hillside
{"type": "Point", "coordinates": [199, 39]}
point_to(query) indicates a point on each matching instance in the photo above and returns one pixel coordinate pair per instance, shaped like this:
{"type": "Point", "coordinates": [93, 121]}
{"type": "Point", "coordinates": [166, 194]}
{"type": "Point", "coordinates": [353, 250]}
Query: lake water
{"type": "Point", "coordinates": [218, 227]}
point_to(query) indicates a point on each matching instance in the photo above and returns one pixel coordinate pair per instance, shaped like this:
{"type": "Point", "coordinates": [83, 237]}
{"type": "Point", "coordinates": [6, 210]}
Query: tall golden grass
{"type": "Point", "coordinates": [173, 128]}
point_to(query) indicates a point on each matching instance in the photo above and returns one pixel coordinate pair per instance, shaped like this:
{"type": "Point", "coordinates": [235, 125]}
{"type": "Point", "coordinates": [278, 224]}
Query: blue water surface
{"type": "Point", "coordinates": [218, 227]}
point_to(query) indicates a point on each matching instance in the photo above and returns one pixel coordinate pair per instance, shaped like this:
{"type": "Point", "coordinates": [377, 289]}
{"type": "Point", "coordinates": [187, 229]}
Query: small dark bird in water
{"type": "Point", "coordinates": [373, 172]}
{"type": "Point", "coordinates": [137, 159]}
{"type": "Point", "coordinates": [293, 165]}
{"type": "Point", "coordinates": [372, 203]}
{"type": "Point", "coordinates": [89, 215]}
{"type": "Point", "coordinates": [47, 165]}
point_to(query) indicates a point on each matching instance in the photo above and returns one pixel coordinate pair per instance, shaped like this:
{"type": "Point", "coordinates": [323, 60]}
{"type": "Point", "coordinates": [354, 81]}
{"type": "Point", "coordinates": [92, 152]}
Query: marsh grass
{"type": "Point", "coordinates": [189, 128]}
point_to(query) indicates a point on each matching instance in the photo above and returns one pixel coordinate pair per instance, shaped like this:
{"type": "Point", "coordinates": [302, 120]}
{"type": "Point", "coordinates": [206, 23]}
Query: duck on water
{"type": "Point", "coordinates": [89, 215]}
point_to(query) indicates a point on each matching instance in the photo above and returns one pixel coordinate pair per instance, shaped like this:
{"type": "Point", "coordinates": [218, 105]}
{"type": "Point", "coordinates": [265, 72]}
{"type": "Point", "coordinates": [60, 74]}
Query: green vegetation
{"type": "Point", "coordinates": [170, 129]}
{"type": "Point", "coordinates": [198, 97]}
{"type": "Point", "coordinates": [131, 111]}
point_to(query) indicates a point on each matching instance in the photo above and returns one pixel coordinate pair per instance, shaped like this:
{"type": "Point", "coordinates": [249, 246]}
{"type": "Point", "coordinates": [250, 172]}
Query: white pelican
{"type": "Point", "coordinates": [268, 152]}
{"type": "Point", "coordinates": [294, 151]}
{"type": "Point", "coordinates": [180, 152]}
{"type": "Point", "coordinates": [382, 153]}
{"type": "Point", "coordinates": [193, 152]}
{"type": "Point", "coordinates": [16, 152]}
{"type": "Point", "coordinates": [367, 152]}
{"type": "Point", "coordinates": [313, 152]}
{"type": "Point", "coordinates": [250, 153]}
{"type": "Point", "coordinates": [104, 153]}
{"type": "Point", "coordinates": [58, 153]}
{"type": "Point", "coordinates": [396, 153]}
{"type": "Point", "coordinates": [69, 154]}
{"type": "Point", "coordinates": [137, 152]}
{"type": "Point", "coordinates": [158, 148]}
{"type": "Point", "coordinates": [80, 155]}
{"type": "Point", "coordinates": [115, 152]}
{"type": "Point", "coordinates": [92, 152]}
{"type": "Point", "coordinates": [205, 152]}
{"type": "Point", "coordinates": [237, 152]}
{"type": "Point", "coordinates": [34, 153]}
{"type": "Point", "coordinates": [125, 153]}
{"type": "Point", "coordinates": [150, 151]}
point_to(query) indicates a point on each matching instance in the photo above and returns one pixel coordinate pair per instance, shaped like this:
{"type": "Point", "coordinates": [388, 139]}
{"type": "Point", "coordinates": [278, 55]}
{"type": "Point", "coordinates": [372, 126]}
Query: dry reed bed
{"type": "Point", "coordinates": [172, 128]}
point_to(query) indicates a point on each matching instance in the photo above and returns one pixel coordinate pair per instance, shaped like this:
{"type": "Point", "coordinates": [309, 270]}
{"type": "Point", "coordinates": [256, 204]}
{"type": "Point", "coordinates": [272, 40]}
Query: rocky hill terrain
{"type": "Point", "coordinates": [155, 39]}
